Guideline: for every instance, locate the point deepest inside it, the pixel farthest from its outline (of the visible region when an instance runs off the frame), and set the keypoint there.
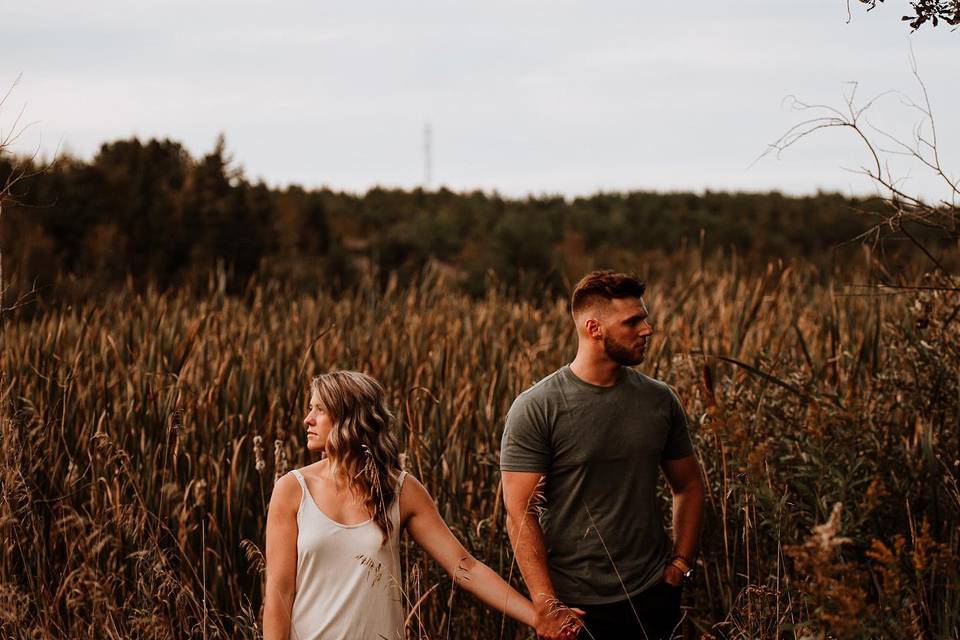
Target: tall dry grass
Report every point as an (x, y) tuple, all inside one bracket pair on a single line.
[(137, 449)]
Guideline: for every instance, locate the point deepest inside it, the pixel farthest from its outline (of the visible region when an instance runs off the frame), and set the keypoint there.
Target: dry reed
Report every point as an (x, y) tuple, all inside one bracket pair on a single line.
[(134, 477)]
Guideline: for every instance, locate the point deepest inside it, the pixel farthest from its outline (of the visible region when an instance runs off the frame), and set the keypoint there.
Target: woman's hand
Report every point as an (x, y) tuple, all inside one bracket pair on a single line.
[(555, 621)]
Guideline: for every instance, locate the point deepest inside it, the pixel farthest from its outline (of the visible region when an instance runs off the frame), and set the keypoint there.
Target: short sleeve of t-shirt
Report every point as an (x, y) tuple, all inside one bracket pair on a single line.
[(678, 443), (525, 445)]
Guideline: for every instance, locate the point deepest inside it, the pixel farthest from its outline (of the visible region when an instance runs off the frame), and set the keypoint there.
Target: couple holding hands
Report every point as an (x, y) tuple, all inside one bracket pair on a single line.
[(579, 460)]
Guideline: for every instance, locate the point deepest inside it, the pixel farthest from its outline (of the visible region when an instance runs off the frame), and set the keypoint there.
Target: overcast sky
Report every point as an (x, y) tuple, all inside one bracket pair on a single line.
[(522, 97)]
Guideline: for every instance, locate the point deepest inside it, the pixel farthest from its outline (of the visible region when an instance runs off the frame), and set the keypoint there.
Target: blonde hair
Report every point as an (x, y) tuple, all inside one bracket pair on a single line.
[(360, 446)]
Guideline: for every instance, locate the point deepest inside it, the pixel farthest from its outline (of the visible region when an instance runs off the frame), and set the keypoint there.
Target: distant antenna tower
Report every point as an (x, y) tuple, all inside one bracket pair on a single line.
[(427, 156)]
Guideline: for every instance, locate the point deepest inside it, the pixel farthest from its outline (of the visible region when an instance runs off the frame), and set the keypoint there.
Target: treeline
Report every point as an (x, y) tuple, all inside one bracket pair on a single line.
[(150, 212)]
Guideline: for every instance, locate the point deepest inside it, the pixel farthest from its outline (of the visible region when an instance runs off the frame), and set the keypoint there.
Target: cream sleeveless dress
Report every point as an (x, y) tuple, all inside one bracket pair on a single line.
[(348, 585)]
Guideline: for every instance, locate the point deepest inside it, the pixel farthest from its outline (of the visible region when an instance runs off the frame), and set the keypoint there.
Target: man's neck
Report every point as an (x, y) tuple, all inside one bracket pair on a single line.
[(601, 372)]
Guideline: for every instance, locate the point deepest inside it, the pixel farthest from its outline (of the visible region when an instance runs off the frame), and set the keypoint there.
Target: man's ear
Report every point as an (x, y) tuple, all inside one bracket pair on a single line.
[(592, 325)]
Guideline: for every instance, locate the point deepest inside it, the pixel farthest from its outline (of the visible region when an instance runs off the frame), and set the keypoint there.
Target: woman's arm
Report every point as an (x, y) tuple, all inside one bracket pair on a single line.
[(429, 531), (281, 558)]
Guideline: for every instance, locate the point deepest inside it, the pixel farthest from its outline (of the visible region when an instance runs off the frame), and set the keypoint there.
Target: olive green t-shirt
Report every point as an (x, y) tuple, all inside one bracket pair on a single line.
[(600, 448)]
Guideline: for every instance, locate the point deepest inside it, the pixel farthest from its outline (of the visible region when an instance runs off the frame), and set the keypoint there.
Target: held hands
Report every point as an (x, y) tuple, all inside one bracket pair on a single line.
[(555, 621), (672, 576)]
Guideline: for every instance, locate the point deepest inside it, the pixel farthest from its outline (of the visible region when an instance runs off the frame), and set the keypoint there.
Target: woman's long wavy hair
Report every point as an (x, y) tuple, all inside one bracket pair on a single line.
[(361, 447)]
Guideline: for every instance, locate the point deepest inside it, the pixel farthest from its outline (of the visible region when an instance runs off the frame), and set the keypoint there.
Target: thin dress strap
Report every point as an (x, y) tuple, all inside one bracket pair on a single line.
[(303, 486), (395, 509), (299, 477)]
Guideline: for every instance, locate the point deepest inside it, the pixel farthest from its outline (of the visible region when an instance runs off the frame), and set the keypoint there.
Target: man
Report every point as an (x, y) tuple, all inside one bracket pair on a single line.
[(588, 439)]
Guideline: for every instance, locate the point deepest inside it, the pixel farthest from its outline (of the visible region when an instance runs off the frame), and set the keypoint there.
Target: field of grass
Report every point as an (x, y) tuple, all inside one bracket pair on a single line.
[(133, 504)]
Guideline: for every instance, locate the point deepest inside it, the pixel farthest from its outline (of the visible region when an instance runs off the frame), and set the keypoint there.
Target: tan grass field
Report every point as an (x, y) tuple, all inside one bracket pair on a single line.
[(133, 507)]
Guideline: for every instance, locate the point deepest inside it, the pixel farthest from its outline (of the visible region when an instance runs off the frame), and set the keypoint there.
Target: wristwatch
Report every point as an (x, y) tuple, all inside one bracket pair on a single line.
[(681, 563)]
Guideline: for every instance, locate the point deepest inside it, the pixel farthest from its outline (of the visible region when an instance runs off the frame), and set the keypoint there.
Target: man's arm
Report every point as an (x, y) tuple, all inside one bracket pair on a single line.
[(686, 483), (553, 622)]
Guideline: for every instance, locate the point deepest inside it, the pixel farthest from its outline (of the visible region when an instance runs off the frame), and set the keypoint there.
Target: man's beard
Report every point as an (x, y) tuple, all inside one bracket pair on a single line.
[(621, 354)]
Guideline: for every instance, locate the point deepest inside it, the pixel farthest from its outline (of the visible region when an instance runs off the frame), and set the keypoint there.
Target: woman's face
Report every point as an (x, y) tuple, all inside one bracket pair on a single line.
[(318, 425)]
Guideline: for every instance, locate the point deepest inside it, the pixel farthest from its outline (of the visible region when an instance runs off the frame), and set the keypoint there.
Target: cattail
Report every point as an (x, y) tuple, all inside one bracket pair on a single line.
[(259, 464), (279, 460), (176, 425), (200, 493)]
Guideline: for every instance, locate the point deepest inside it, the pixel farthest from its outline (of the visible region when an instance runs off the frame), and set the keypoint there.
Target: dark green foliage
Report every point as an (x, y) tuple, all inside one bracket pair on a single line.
[(150, 212), (924, 11)]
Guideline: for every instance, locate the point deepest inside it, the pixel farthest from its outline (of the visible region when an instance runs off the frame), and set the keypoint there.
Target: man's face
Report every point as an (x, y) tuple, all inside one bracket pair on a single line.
[(625, 330)]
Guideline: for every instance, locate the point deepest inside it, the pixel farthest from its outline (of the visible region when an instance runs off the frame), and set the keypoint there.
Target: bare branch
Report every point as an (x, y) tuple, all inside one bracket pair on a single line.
[(18, 171), (939, 216)]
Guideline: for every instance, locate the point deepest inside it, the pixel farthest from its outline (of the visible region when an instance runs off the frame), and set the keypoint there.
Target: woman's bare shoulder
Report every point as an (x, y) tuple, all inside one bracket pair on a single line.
[(413, 496), (411, 483), (286, 493)]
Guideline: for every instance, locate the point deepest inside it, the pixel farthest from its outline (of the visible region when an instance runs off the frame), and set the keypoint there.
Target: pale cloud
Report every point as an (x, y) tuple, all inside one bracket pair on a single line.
[(523, 96)]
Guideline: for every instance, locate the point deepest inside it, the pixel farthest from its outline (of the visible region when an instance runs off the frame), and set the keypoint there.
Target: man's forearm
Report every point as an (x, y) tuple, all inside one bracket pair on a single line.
[(687, 521), (531, 553)]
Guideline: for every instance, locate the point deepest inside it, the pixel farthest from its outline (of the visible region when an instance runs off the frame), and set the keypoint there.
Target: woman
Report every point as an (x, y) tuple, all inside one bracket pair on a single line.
[(333, 527)]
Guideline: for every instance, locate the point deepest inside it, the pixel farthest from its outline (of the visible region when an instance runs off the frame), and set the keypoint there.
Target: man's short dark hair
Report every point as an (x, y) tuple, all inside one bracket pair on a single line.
[(605, 285)]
